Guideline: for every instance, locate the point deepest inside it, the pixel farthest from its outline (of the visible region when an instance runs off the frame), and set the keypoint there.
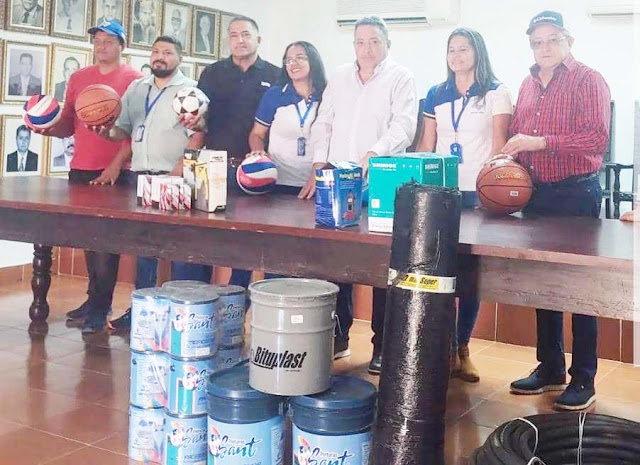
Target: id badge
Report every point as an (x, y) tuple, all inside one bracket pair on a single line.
[(302, 146), (139, 133), (456, 150)]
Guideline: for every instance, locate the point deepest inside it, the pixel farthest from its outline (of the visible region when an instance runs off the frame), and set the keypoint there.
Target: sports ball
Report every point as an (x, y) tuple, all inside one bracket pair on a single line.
[(98, 104), (504, 186), (190, 101), (257, 174), (41, 112)]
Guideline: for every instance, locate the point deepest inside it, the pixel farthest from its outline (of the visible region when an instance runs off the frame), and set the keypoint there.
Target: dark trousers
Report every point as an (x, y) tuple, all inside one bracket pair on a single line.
[(577, 196), (102, 267)]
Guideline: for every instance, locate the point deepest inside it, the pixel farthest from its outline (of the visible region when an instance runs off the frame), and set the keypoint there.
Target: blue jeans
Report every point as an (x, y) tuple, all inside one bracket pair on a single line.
[(577, 196), (146, 272), (192, 271)]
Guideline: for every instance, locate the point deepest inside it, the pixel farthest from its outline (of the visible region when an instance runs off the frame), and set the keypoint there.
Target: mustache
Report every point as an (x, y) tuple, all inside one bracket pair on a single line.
[(159, 62)]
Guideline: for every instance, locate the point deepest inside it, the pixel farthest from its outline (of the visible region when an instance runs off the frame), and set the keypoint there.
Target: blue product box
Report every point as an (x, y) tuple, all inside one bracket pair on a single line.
[(339, 195)]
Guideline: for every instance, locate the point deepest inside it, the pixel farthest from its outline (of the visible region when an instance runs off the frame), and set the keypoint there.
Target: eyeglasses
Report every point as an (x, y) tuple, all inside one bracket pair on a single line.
[(297, 60), (552, 42)]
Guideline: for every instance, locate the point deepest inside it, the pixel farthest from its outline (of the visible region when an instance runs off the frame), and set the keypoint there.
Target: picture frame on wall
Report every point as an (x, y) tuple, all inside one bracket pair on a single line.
[(177, 21), (71, 19), (145, 22), (141, 63), (3, 9), (30, 16), (25, 71), (199, 69), (223, 39), (110, 10), (23, 150), (204, 42), (66, 60), (188, 68), (59, 155)]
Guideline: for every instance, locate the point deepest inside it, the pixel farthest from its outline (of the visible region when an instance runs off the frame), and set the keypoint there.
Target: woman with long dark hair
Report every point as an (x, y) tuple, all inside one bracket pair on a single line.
[(468, 116), (286, 114)]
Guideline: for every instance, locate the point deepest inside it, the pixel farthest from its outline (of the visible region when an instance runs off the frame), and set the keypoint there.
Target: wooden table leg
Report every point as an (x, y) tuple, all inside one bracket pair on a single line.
[(40, 282)]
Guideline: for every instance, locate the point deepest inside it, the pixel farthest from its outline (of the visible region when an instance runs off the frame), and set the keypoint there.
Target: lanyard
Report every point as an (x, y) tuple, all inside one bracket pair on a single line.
[(456, 121), (304, 118), (148, 107)]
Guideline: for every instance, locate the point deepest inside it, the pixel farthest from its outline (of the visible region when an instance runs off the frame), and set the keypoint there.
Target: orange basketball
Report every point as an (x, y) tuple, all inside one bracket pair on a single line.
[(504, 186), (98, 104)]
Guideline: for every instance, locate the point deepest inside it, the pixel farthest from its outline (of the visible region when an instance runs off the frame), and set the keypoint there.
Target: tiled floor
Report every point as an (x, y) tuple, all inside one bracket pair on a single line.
[(64, 398)]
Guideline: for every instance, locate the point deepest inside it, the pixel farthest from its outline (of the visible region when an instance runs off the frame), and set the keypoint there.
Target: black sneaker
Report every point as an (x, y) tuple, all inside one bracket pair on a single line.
[(376, 362), (94, 324), (79, 313), (340, 348), (538, 382), (578, 396), (123, 323)]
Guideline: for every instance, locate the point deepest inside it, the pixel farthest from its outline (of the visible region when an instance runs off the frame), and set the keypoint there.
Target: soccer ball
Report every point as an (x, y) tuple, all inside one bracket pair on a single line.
[(190, 101)]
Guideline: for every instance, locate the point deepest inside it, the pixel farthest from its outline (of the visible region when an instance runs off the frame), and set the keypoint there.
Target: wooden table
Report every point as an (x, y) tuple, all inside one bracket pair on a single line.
[(572, 264)]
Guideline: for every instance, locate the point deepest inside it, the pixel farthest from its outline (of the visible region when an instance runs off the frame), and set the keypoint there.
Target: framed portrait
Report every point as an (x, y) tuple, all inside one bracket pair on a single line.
[(204, 42), (60, 154), (176, 22), (188, 69), (109, 10), (30, 16), (22, 150), (141, 63), (66, 60), (3, 9), (71, 19), (199, 69), (25, 71), (223, 37), (145, 24)]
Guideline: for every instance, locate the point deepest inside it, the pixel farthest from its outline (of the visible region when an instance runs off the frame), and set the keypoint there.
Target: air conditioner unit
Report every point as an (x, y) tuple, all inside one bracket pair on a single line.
[(429, 12), (606, 8)]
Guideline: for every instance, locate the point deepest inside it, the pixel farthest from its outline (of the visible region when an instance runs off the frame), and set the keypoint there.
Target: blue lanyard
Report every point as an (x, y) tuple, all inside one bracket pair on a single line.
[(304, 118), (148, 107), (456, 121)]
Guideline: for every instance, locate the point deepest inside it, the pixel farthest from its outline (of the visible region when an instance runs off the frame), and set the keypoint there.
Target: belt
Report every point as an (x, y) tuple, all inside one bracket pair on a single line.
[(573, 180), (151, 172)]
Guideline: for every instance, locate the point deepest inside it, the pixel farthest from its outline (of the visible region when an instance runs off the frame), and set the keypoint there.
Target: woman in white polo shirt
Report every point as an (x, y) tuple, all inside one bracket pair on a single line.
[(286, 114), (468, 115)]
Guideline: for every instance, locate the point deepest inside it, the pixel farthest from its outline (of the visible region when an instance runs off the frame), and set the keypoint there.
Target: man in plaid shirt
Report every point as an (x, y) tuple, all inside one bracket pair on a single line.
[(560, 131)]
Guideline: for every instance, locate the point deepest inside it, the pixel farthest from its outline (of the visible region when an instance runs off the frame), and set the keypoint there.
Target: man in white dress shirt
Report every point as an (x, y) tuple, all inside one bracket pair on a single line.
[(368, 109)]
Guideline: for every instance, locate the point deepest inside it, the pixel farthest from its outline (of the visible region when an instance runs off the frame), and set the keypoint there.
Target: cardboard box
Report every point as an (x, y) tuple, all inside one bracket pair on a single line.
[(205, 171), (387, 174), (144, 190), (339, 195)]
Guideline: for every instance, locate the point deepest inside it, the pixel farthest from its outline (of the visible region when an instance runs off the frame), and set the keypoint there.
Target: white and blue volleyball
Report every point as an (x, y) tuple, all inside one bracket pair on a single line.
[(257, 174), (41, 112)]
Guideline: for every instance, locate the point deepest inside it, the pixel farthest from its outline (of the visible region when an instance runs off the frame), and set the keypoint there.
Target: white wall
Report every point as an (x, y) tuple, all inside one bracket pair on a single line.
[(606, 45)]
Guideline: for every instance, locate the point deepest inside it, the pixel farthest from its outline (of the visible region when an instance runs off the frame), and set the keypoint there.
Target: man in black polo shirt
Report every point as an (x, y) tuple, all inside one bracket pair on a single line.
[(234, 87)]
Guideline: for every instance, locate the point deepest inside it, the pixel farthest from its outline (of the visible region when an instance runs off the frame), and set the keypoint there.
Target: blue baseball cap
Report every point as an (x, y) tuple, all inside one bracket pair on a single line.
[(113, 28), (546, 17)]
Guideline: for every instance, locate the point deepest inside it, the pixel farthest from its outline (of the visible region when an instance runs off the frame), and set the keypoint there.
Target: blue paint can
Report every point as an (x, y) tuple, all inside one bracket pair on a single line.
[(193, 323), (187, 385), (184, 284), (185, 439), (148, 379), (149, 320), (232, 312), (146, 433), (228, 356), (245, 426), (334, 426)]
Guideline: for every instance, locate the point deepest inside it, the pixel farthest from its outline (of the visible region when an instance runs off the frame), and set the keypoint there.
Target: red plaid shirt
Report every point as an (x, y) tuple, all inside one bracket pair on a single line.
[(572, 114)]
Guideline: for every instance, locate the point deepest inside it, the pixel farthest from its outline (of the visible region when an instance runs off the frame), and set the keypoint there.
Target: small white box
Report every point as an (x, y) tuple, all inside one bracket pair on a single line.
[(205, 171)]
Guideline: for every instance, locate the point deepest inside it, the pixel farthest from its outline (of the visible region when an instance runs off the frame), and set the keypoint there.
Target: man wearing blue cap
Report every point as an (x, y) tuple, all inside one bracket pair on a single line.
[(560, 130), (92, 155)]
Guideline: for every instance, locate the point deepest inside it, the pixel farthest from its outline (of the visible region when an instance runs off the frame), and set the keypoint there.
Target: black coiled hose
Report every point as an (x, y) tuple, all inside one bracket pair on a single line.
[(559, 439)]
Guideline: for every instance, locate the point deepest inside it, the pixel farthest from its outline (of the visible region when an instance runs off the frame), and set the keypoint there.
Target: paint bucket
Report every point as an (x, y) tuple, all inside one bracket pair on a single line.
[(146, 433), (182, 285), (187, 385), (148, 387), (334, 426), (228, 356), (185, 439), (149, 319), (193, 323), (232, 312), (292, 327), (245, 426)]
